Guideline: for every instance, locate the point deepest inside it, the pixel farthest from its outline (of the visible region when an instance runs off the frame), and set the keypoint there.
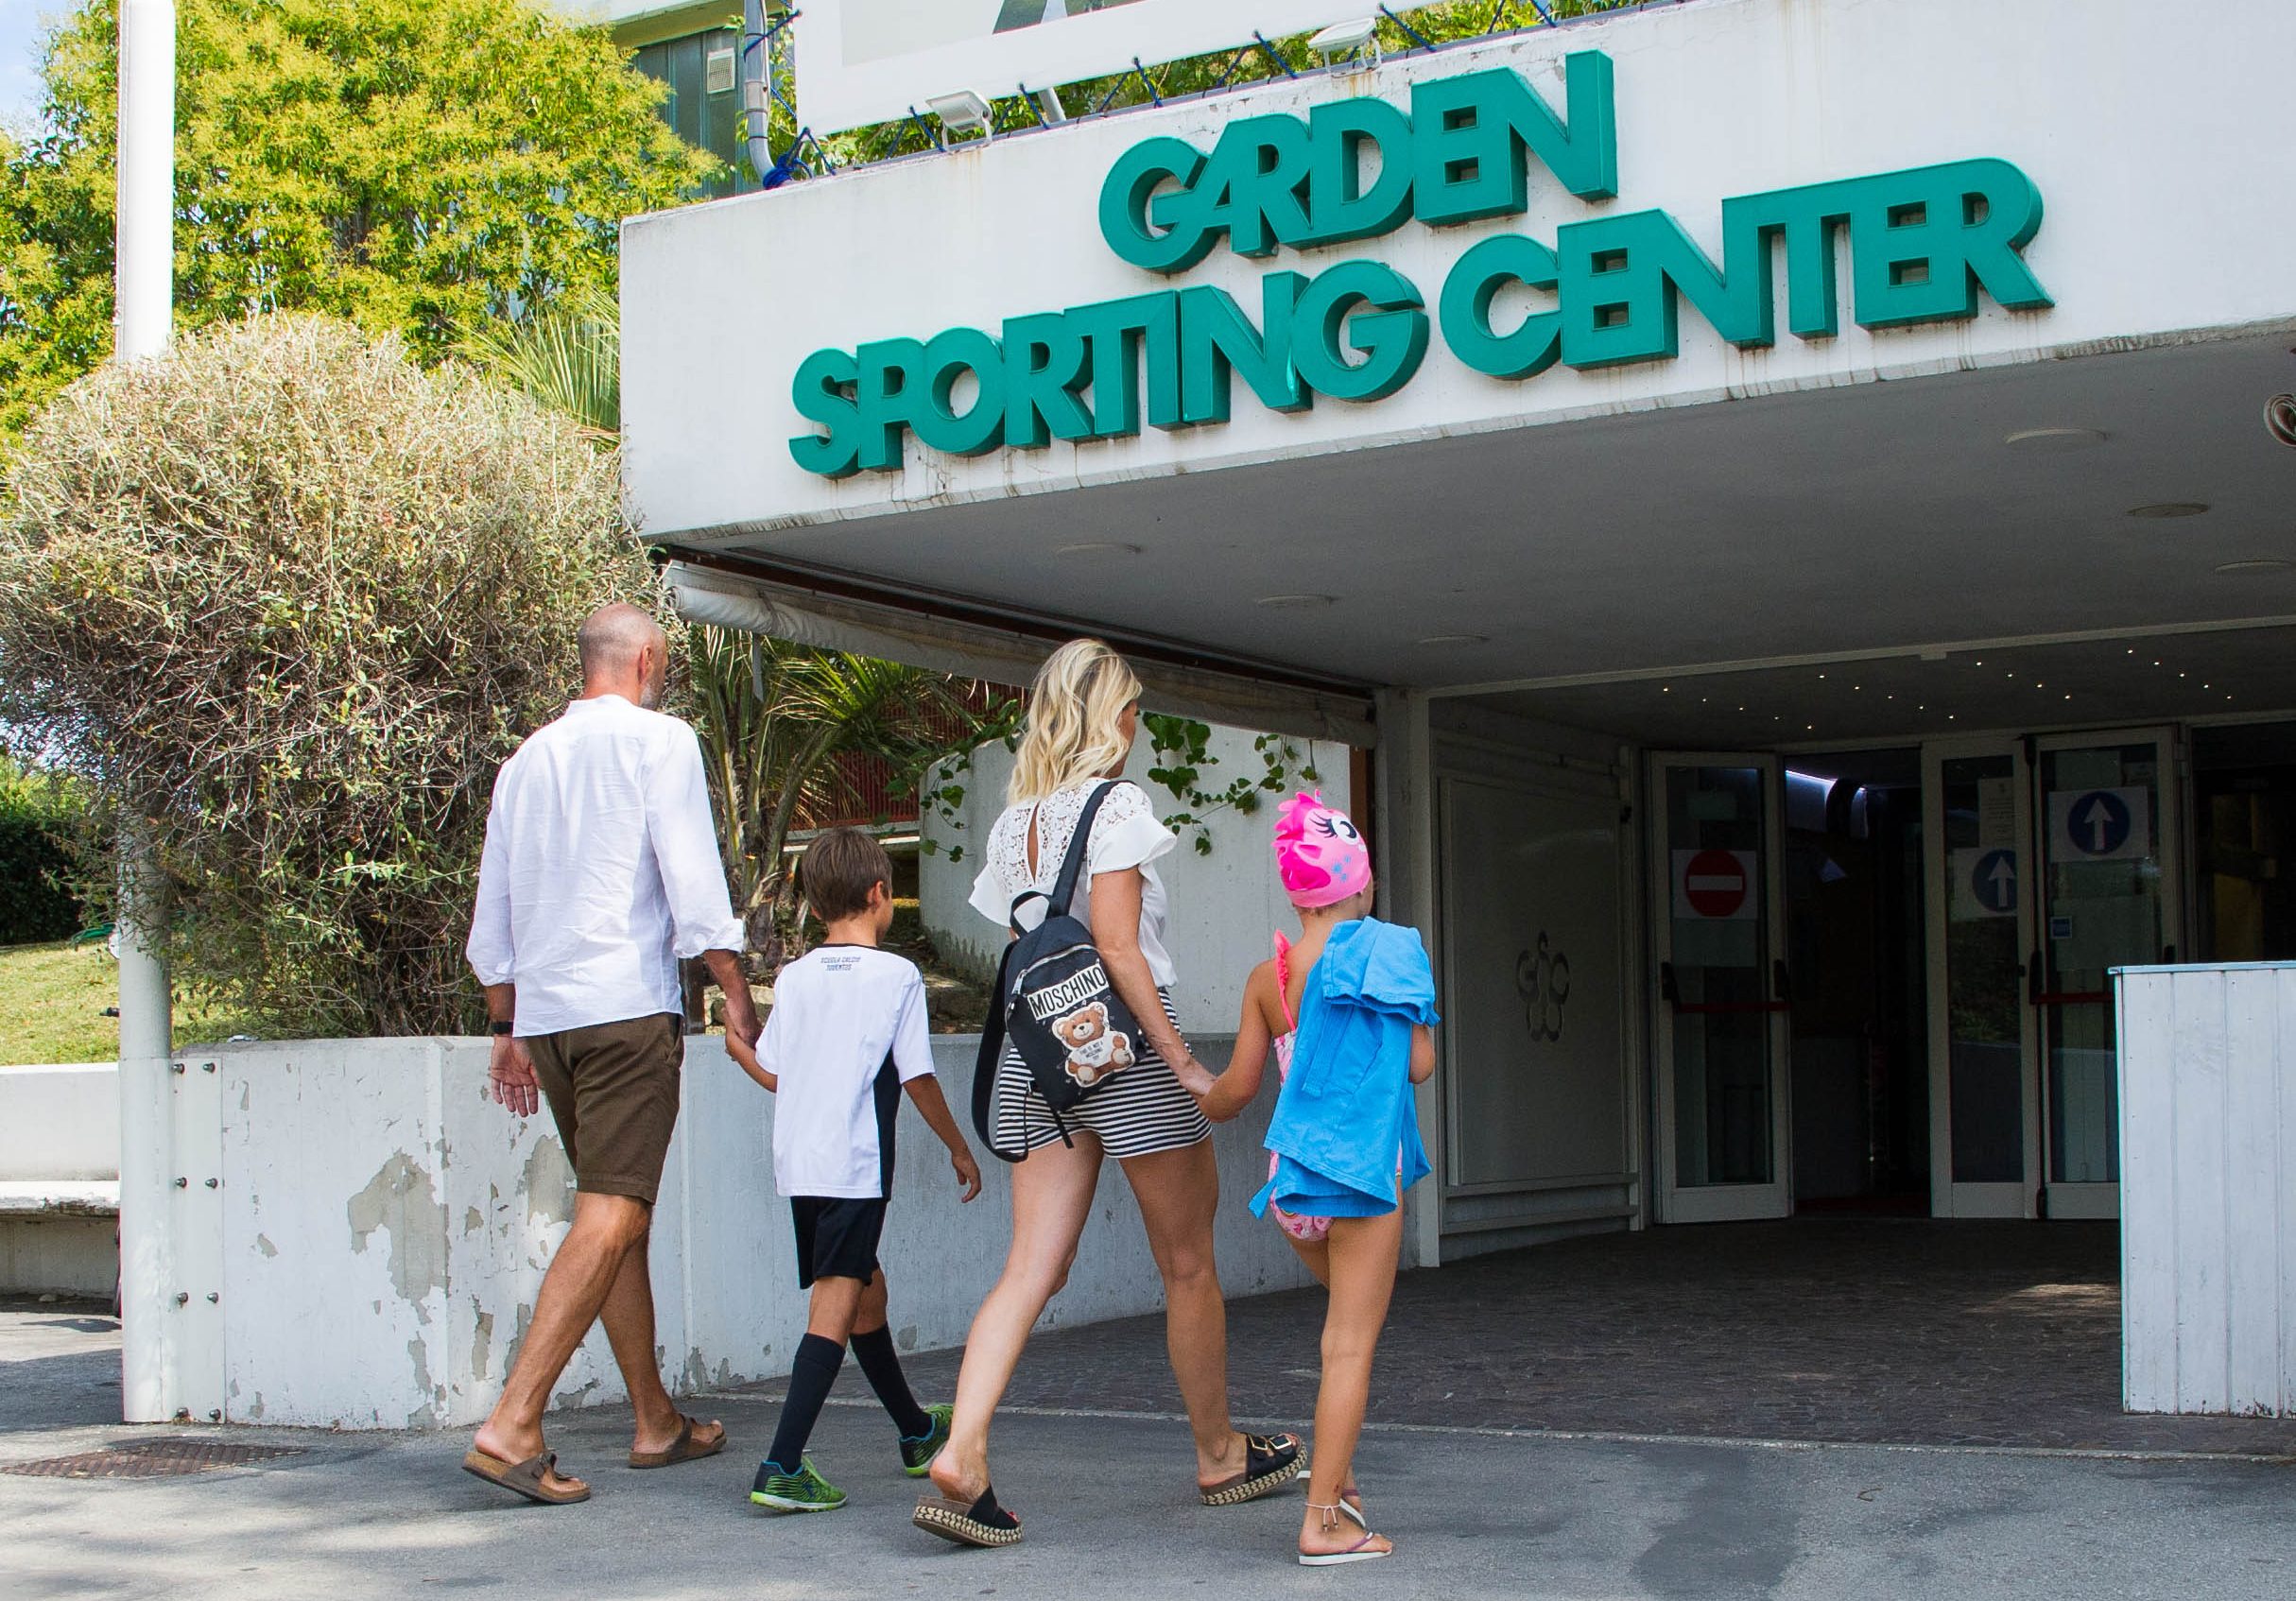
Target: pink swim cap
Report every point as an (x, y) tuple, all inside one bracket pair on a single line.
[(1319, 852)]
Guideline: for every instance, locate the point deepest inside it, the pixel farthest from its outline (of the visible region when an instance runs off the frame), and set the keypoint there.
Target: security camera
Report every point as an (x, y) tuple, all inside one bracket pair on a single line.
[(2280, 419)]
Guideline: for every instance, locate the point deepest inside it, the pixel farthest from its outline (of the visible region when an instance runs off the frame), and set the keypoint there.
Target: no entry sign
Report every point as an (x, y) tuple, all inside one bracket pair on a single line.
[(1715, 885)]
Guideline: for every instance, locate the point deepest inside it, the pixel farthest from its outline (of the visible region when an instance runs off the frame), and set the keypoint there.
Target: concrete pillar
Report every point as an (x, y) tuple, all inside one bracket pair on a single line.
[(144, 251), (1403, 779)]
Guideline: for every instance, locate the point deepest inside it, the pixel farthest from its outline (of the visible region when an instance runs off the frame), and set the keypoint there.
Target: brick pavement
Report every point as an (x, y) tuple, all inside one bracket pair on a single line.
[(1870, 1332)]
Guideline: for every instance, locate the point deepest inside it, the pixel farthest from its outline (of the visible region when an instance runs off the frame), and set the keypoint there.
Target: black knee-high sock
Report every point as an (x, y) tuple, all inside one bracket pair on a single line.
[(883, 1368), (810, 1376)]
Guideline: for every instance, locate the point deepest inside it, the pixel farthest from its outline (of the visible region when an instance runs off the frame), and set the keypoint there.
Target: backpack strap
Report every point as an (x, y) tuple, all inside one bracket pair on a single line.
[(991, 1054), (1072, 867)]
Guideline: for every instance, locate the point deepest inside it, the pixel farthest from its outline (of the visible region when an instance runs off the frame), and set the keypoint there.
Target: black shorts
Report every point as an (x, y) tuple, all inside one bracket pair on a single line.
[(837, 1238)]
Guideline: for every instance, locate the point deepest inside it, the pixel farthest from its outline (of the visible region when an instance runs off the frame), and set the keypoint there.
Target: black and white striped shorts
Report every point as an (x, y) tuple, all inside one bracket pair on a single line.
[(1140, 1112)]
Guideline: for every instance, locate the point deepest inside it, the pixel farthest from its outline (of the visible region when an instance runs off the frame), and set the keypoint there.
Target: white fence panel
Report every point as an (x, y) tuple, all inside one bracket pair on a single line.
[(2208, 1188)]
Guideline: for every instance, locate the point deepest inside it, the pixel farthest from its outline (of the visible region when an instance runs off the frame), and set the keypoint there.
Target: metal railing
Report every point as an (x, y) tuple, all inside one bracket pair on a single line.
[(769, 80)]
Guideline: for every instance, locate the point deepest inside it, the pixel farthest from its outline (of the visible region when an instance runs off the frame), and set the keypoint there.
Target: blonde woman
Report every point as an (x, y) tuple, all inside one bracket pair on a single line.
[(1083, 714)]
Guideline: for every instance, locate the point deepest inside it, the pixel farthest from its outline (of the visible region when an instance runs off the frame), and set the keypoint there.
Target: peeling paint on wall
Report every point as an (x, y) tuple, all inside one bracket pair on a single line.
[(549, 1183), (262, 1244), (399, 1199), (473, 1220), (482, 1345)]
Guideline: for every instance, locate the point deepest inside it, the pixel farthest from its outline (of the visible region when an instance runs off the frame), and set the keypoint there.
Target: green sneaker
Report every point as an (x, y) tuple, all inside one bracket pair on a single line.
[(804, 1491), (917, 1454)]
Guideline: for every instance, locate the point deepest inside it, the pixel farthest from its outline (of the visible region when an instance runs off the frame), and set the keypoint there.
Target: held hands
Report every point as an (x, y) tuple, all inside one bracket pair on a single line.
[(745, 1056), (1196, 1078), (510, 1075)]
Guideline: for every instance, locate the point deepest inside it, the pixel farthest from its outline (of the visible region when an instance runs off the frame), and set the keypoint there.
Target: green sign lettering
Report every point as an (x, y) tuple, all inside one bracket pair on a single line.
[(1923, 244)]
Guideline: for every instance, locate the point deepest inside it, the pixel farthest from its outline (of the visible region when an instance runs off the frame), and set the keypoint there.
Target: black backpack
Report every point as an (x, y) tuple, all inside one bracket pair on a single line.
[(1055, 1002)]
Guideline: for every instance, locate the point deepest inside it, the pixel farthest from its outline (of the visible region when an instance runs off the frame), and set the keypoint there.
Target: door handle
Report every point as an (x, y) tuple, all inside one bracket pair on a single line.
[(2033, 988), (1780, 986), (1666, 984)]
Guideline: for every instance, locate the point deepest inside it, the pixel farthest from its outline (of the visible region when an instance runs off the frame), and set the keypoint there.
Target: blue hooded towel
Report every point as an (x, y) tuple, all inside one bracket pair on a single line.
[(1347, 1110)]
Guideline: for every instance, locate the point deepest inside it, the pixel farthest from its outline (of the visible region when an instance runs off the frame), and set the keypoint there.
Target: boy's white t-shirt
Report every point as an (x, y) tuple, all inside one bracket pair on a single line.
[(846, 1031)]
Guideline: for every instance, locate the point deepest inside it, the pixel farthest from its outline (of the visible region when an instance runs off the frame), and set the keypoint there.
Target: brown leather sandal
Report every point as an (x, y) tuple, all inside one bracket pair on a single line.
[(530, 1478), (685, 1448)]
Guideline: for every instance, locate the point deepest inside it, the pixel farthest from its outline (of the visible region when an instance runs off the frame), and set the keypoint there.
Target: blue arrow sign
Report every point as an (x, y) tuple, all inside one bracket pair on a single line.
[(2099, 823), (1993, 881)]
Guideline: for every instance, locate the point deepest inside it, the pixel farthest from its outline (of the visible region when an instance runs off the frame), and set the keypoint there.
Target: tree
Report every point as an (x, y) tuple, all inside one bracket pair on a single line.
[(773, 718), (290, 599), (1401, 28), (422, 168)]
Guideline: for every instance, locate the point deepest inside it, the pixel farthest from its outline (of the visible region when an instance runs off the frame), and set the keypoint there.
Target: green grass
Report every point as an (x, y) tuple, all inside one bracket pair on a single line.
[(52, 1002)]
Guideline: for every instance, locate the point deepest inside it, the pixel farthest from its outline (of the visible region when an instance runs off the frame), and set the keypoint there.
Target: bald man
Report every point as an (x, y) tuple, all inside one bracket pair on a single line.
[(600, 872)]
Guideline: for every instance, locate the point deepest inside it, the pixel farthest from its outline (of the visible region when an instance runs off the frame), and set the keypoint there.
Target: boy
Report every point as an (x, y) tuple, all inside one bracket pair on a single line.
[(846, 1036)]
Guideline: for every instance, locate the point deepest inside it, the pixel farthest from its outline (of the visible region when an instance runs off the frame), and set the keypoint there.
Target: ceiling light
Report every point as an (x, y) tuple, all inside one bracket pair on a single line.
[(2169, 508), (1437, 638), (1098, 547), (1293, 602), (2255, 567), (2052, 440)]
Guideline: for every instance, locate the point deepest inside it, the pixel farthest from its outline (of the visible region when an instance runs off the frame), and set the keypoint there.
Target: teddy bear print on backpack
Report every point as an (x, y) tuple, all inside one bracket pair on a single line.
[(1094, 1049)]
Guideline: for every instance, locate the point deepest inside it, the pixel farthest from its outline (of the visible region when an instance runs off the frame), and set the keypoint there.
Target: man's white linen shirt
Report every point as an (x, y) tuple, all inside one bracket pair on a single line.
[(600, 869)]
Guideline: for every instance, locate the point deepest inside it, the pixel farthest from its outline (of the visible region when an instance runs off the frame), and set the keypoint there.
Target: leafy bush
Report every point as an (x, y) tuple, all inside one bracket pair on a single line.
[(38, 817), (292, 600)]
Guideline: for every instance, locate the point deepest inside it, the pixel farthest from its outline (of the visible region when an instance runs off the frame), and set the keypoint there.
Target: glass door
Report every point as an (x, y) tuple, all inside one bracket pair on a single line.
[(1723, 989), (2106, 808), (1984, 1087)]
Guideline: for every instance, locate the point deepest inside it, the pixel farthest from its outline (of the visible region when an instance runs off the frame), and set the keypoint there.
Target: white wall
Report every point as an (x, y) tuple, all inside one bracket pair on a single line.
[(2208, 1188), (2150, 137), (60, 1121), (1226, 906), (60, 1157), (385, 1227)]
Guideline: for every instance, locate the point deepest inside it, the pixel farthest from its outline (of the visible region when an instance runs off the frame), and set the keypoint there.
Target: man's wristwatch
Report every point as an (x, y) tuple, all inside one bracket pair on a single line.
[(498, 1028)]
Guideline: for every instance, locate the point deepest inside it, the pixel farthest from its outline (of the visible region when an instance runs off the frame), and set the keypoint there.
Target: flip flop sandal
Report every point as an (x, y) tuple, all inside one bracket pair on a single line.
[(983, 1523), (1359, 1551), (683, 1449), (529, 1478), (1270, 1461), (1353, 1510)]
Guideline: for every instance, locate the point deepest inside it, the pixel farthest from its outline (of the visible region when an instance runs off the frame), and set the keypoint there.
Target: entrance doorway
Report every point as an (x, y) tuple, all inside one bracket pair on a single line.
[(1856, 960), (1884, 975), (2059, 863)]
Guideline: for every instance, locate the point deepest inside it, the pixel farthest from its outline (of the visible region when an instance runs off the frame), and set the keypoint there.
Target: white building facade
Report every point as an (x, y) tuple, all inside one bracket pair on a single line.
[(1778, 494)]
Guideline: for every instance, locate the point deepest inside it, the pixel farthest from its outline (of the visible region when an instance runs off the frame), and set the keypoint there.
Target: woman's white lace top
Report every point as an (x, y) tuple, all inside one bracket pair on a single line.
[(1125, 834)]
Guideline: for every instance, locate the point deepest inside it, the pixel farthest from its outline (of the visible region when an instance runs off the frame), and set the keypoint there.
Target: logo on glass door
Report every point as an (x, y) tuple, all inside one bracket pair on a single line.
[(1543, 977)]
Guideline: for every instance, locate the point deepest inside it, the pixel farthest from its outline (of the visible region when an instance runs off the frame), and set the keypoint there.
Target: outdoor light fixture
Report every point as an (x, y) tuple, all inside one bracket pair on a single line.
[(964, 112), (1098, 547), (1451, 639), (1293, 602), (1348, 46)]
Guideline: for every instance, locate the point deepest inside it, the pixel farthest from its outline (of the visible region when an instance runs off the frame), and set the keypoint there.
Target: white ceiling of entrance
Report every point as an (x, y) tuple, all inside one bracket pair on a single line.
[(2131, 681), (1806, 526)]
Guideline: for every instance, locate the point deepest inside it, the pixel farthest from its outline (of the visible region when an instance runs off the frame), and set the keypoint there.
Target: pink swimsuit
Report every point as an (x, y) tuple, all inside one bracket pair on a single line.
[(1307, 1229)]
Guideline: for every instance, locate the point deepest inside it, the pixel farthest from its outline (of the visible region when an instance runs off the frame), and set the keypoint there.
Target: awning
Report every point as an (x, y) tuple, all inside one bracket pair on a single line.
[(1004, 655)]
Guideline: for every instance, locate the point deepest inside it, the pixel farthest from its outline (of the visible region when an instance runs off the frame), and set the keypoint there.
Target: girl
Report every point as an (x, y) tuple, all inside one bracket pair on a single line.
[(1349, 1012)]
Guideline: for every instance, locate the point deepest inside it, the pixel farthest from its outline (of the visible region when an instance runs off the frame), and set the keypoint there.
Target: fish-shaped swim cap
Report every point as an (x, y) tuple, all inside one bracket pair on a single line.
[(1319, 852)]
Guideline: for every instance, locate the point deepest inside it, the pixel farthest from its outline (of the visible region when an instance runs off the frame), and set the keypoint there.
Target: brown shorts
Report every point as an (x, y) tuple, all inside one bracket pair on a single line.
[(613, 1089)]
